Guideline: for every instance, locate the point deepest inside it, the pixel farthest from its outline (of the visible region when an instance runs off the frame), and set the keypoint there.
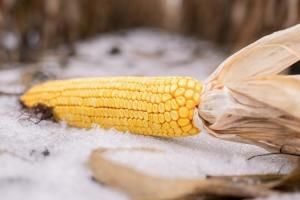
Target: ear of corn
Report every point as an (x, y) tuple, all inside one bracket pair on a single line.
[(158, 106)]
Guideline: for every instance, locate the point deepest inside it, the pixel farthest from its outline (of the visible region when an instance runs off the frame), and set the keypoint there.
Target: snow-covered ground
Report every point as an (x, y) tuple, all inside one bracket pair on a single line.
[(48, 160)]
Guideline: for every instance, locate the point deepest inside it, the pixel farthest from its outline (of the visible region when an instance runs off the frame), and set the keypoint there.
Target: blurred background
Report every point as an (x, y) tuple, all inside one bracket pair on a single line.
[(29, 29)]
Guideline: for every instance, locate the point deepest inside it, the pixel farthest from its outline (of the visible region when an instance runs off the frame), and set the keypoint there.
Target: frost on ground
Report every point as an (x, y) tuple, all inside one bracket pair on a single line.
[(47, 160)]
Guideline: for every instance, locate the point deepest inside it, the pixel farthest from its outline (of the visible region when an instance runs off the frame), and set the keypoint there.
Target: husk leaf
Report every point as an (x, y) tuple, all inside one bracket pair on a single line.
[(267, 56), (145, 187), (244, 100)]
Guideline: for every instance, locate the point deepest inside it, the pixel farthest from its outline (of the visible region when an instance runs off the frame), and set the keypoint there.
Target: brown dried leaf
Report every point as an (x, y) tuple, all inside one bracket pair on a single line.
[(143, 187)]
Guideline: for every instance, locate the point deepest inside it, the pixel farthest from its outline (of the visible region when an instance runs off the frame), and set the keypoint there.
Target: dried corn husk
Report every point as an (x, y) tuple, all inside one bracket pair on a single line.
[(142, 186), (246, 100)]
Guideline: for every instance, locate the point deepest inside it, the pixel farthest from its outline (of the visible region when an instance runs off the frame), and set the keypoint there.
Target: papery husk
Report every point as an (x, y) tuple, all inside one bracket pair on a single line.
[(141, 186), (245, 99)]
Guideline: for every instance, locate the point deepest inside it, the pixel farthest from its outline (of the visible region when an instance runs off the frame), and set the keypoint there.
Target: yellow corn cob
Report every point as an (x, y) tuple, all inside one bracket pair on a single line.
[(158, 106)]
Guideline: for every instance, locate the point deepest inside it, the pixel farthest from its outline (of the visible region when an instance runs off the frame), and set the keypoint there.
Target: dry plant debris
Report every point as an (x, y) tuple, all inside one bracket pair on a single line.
[(143, 187), (246, 100)]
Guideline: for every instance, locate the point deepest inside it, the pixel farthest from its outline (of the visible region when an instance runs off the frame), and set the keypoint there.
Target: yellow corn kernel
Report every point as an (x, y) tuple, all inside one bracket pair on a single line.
[(187, 128), (196, 98), (149, 107), (167, 116), (180, 100), (178, 131), (189, 94), (190, 104), (166, 97), (153, 98), (155, 108), (159, 106), (174, 104), (171, 132), (191, 84), (174, 124), (161, 89), (168, 106), (183, 112), (194, 131), (179, 92), (157, 99), (173, 88), (191, 114), (182, 82), (161, 118), (155, 118), (174, 115), (198, 87), (183, 122), (166, 126)]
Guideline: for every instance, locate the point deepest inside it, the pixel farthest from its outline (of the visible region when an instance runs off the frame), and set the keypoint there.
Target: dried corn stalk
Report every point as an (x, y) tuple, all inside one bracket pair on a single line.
[(243, 100)]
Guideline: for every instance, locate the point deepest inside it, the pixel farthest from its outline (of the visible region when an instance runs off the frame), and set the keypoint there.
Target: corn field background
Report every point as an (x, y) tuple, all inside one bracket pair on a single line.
[(29, 26), (58, 39)]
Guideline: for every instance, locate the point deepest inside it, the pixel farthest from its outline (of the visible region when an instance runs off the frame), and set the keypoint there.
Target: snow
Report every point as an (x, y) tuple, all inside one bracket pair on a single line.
[(292, 196), (48, 160)]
